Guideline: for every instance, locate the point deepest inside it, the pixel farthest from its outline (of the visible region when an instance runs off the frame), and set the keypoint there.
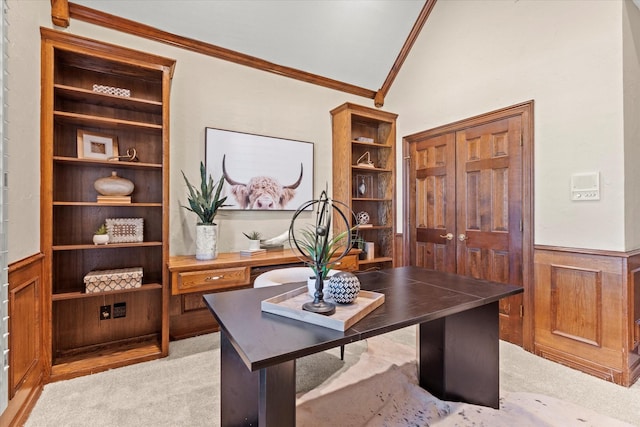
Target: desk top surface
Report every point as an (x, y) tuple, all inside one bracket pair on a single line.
[(178, 263), (412, 295)]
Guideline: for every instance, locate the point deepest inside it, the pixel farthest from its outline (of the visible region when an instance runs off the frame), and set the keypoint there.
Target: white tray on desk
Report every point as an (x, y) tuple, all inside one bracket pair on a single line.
[(289, 304)]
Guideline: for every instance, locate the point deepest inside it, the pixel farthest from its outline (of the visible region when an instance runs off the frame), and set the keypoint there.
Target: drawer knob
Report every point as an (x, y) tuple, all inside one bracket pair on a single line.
[(213, 278)]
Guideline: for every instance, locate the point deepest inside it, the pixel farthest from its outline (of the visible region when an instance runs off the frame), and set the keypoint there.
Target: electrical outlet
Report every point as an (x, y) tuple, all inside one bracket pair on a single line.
[(105, 312), (119, 310)]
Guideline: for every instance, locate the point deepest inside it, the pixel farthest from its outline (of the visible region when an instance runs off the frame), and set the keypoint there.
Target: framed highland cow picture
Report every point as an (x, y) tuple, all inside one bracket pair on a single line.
[(260, 172)]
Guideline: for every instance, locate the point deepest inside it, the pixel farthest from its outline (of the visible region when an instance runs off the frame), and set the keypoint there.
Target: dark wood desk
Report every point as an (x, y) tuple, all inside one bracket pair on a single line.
[(457, 353)]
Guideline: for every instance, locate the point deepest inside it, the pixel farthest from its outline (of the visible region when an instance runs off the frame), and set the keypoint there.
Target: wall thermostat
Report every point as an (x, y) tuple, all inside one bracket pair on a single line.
[(585, 186)]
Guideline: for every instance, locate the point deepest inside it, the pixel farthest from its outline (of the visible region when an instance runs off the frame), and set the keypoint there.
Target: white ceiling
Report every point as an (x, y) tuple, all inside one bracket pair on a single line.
[(352, 41)]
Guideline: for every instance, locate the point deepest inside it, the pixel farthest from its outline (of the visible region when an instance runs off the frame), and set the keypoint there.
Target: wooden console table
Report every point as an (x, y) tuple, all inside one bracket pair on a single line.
[(191, 279)]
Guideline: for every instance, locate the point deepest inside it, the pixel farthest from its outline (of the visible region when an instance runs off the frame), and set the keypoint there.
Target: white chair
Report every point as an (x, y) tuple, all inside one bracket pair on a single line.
[(280, 276)]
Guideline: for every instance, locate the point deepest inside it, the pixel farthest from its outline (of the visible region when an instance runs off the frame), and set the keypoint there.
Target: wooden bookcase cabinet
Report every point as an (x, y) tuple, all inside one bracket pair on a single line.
[(76, 340), (362, 133)]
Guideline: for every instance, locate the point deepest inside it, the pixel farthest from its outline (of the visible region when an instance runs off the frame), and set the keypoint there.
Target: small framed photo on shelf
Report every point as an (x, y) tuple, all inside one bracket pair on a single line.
[(363, 186), (97, 146), (125, 230)]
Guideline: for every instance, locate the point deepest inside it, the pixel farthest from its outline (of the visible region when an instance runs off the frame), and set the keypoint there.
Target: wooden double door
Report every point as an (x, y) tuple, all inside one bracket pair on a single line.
[(466, 204)]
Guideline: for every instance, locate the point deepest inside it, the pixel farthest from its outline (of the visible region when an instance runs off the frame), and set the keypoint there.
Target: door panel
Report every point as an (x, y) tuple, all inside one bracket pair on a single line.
[(489, 188), (433, 185), (468, 182)]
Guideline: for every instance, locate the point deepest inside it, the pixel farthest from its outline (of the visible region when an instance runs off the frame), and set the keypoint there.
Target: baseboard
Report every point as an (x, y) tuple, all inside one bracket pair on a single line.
[(580, 364), (22, 404)]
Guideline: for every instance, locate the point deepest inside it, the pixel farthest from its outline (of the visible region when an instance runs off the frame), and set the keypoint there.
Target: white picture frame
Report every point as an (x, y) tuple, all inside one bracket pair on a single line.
[(97, 146), (247, 157)]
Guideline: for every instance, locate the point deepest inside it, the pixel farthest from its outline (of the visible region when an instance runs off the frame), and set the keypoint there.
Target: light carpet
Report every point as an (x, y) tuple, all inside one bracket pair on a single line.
[(376, 385)]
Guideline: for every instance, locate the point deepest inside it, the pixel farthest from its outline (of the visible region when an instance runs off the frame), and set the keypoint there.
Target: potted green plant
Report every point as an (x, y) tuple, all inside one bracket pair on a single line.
[(205, 202), (254, 240), (314, 245), (100, 236), (320, 248)]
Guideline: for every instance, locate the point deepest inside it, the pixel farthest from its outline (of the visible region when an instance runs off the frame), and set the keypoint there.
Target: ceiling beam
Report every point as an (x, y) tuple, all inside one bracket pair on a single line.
[(404, 52), (113, 22)]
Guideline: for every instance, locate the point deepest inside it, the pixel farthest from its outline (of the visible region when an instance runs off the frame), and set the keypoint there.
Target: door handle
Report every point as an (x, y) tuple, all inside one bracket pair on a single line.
[(448, 236), (462, 237)]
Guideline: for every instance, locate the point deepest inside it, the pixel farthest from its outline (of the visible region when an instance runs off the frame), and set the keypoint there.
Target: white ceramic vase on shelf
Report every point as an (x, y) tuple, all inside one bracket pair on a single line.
[(100, 239), (206, 241), (254, 245), (114, 185)]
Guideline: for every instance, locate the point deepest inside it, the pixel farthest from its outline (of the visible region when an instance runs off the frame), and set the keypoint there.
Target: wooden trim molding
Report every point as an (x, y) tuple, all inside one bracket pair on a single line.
[(113, 22), (60, 13), (25, 339), (600, 252), (404, 52), (399, 261), (86, 45)]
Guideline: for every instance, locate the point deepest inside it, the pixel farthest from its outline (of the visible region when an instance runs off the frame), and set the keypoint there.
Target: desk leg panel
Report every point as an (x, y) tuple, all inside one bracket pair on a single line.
[(459, 356), (266, 397), (239, 388), (277, 400)]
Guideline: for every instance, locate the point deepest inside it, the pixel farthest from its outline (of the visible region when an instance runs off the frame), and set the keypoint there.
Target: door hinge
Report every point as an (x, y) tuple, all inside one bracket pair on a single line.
[(521, 310), (521, 140), (521, 227)]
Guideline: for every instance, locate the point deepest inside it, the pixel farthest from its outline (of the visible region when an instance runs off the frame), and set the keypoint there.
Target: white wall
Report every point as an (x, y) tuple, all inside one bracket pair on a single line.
[(475, 57), (471, 57), (23, 124), (631, 73), (206, 92)]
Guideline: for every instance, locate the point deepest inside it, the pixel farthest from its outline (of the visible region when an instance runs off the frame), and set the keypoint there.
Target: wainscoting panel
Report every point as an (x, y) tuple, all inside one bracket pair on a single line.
[(25, 329), (25, 339), (584, 302), (576, 309)]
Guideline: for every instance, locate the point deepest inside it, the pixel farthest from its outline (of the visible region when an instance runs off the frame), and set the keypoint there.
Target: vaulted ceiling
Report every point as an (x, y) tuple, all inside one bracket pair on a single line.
[(356, 46)]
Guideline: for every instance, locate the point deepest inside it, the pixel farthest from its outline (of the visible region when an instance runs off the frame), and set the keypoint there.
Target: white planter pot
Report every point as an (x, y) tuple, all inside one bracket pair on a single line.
[(100, 239), (206, 241), (254, 245), (311, 285)]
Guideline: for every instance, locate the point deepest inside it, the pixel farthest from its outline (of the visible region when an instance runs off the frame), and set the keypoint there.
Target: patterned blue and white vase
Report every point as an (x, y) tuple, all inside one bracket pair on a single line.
[(344, 287)]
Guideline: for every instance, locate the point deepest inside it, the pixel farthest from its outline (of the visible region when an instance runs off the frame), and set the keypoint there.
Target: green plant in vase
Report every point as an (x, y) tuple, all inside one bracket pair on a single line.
[(316, 248), (101, 236), (205, 202), (321, 248), (254, 240), (253, 235)]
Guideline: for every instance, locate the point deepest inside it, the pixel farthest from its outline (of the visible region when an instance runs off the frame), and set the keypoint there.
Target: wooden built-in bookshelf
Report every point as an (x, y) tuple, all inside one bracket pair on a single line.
[(77, 340)]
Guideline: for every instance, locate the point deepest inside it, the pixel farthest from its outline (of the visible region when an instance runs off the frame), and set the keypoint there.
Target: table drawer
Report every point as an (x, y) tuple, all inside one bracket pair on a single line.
[(218, 279), (348, 263)]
